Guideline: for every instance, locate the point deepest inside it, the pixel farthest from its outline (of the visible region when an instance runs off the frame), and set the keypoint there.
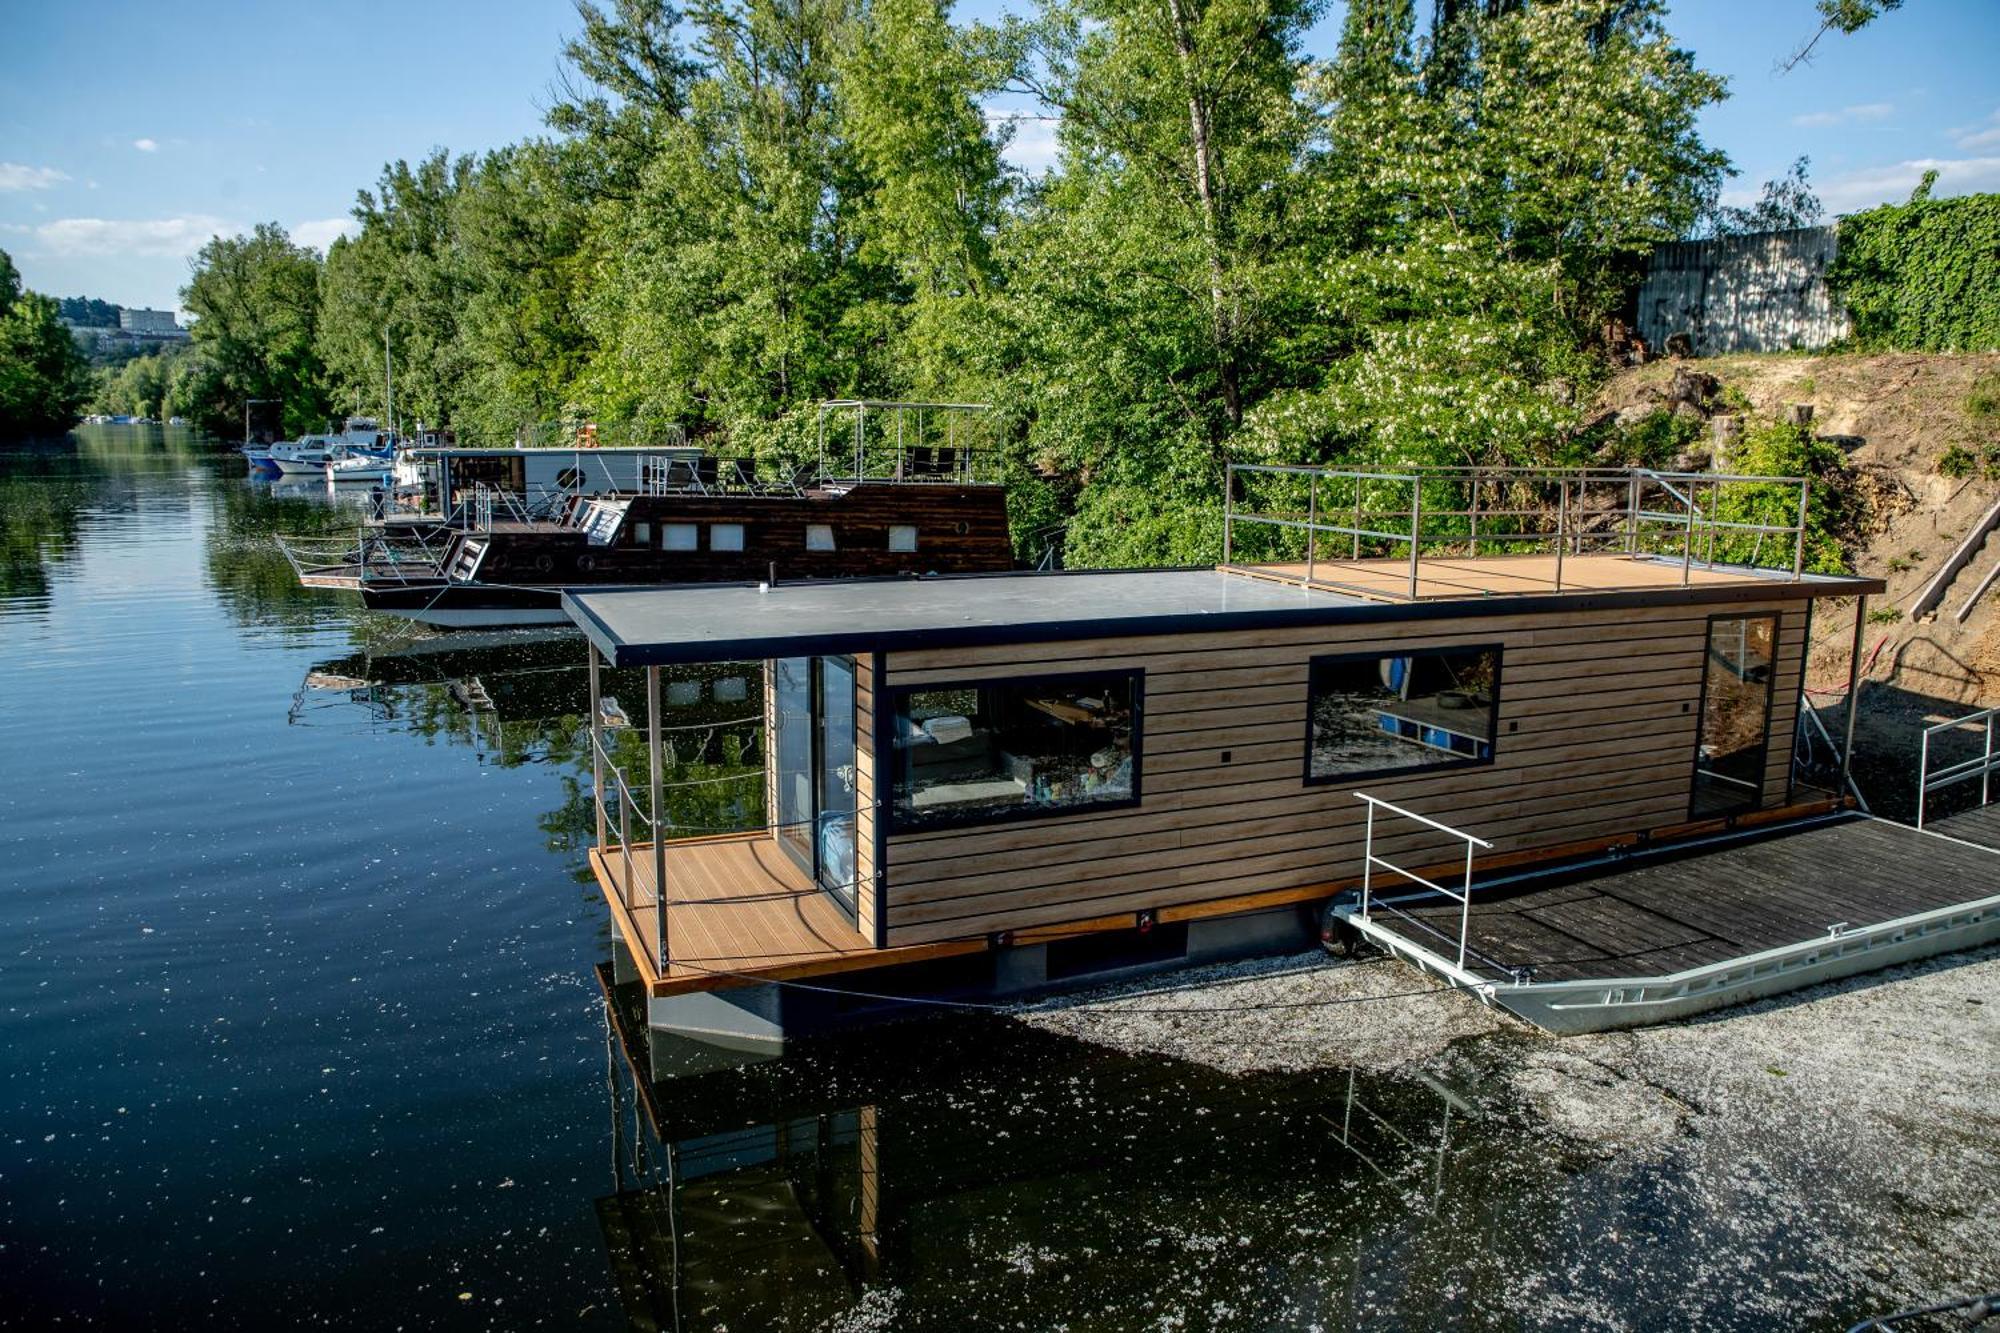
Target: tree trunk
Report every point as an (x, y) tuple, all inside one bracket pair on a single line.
[(1207, 189)]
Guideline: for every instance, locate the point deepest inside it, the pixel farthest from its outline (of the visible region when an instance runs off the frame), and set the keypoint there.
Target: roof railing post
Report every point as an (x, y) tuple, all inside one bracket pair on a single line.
[(596, 744), (1416, 529), (1562, 530), (1986, 765), (1312, 521), (1357, 516), (1228, 509), (1687, 536), (1632, 514), (659, 815), (1472, 512), (1799, 542)]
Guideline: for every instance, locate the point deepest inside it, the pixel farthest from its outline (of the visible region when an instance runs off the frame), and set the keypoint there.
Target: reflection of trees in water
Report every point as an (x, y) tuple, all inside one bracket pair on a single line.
[(539, 689), (42, 491), (251, 576)]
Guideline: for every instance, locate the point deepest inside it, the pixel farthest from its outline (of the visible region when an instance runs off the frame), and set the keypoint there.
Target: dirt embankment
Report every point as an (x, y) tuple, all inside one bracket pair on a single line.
[(1897, 417)]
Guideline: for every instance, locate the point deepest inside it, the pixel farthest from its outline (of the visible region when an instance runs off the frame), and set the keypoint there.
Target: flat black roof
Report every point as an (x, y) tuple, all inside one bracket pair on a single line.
[(655, 626)]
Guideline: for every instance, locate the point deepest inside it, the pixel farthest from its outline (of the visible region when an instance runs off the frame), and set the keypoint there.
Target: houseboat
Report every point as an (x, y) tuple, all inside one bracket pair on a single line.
[(501, 533), (1534, 732)]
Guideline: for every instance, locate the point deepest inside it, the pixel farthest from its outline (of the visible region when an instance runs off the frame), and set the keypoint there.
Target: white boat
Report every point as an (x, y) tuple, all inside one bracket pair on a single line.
[(311, 453), (355, 467)]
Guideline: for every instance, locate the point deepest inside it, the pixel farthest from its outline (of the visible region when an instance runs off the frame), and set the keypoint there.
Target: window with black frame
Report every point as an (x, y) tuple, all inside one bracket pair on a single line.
[(993, 750), (1375, 713)]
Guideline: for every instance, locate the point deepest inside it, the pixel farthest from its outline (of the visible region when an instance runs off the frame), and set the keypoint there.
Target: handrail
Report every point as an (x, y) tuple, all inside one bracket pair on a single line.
[(1578, 517), (1369, 861), (1981, 766)]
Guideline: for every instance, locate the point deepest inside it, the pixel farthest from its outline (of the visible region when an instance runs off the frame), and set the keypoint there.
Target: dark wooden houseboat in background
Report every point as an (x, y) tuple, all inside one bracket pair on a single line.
[(1534, 732), (500, 534)]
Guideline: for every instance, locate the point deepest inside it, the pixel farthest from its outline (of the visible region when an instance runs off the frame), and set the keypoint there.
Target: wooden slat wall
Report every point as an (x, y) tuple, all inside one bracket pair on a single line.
[(1597, 723), (867, 895)]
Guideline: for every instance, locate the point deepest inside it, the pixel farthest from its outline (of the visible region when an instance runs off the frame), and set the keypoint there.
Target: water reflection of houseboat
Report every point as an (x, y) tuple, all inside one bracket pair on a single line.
[(997, 784)]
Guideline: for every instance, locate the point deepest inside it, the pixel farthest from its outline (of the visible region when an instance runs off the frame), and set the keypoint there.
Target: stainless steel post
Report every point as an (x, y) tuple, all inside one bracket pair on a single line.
[(1416, 529), (1562, 541), (1472, 517), (1854, 693), (659, 812), (1632, 514), (1312, 521), (1367, 859), (596, 745), (1228, 509), (1799, 545)]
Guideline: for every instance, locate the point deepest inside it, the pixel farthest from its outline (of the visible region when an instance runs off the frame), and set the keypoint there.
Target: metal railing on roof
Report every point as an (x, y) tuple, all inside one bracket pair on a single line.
[(1332, 520), (866, 439)]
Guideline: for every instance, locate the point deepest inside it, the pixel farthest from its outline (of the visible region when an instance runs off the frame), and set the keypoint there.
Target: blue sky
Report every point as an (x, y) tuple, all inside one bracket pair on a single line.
[(131, 131)]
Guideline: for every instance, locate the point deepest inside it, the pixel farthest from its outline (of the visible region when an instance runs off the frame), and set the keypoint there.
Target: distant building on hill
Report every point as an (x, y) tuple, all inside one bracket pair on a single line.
[(142, 321)]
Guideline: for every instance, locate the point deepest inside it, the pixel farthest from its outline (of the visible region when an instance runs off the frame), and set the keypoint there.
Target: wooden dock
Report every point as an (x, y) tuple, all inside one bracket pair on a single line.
[(738, 909), (1679, 931)]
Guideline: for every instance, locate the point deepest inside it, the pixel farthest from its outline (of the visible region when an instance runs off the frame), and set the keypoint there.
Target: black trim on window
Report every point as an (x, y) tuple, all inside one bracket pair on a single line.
[(880, 737), (1313, 675), (890, 769)]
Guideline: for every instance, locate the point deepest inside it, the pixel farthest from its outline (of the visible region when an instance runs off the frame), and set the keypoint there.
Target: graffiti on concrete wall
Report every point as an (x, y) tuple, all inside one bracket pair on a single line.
[(1764, 292)]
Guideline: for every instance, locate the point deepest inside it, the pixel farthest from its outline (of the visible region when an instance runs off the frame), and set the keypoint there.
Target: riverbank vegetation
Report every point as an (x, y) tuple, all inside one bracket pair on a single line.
[(44, 379), (1405, 254)]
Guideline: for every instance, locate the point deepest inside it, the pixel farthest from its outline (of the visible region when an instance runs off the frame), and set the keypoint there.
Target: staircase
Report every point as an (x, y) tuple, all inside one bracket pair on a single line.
[(465, 562), (1978, 551)]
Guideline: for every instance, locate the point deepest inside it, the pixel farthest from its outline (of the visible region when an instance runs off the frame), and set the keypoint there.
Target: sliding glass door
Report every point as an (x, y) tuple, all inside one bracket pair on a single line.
[(813, 752), (1735, 733)]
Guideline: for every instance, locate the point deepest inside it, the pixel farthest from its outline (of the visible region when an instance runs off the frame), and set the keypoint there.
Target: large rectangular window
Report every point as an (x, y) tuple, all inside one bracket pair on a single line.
[(1007, 749), (1375, 713)]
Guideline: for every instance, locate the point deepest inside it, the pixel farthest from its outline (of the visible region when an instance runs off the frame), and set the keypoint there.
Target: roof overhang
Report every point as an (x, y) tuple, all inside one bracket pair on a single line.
[(654, 626)]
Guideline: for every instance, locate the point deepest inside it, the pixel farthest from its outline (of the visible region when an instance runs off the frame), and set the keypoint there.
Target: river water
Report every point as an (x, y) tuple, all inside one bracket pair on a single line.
[(302, 1026)]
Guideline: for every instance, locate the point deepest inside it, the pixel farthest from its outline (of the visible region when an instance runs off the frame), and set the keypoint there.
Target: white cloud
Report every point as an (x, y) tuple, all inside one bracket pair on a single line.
[(1892, 183), (1847, 115), (15, 176), (321, 233), (146, 145), (1974, 137), (156, 237)]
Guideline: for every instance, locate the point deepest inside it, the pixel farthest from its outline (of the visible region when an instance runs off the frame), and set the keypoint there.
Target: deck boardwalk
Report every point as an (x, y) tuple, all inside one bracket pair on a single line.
[(1518, 574), (1981, 826), (1700, 908), (737, 907)]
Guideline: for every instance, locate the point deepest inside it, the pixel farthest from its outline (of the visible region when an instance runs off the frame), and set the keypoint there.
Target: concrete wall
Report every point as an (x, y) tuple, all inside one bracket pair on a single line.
[(1764, 292)]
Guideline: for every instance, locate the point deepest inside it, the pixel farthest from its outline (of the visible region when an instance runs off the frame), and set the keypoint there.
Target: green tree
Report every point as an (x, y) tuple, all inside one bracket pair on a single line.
[(401, 279), (255, 300), (44, 379)]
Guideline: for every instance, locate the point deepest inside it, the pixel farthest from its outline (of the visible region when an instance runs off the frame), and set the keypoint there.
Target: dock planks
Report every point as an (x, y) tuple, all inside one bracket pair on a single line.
[(1698, 908)]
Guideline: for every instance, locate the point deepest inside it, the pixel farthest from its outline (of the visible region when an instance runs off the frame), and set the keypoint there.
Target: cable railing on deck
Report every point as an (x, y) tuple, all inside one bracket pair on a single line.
[(1345, 526)]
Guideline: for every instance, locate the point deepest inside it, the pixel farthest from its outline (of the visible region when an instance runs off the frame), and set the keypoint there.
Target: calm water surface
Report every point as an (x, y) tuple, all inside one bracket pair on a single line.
[(301, 1024)]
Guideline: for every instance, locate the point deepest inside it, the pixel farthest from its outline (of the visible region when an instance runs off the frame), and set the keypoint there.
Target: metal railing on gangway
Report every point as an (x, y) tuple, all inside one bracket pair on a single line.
[(1370, 862), (1981, 765), (1408, 514)]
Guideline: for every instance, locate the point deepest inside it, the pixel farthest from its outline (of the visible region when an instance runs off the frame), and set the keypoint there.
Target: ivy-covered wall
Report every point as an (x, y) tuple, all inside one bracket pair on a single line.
[(1922, 276)]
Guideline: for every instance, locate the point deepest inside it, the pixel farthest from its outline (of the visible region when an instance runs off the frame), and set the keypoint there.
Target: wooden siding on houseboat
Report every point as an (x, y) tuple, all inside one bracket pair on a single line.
[(1597, 723)]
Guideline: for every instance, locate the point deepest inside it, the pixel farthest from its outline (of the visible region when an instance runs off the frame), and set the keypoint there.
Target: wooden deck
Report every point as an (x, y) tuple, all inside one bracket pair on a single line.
[(1981, 825), (1445, 577), (738, 910), (1704, 907)]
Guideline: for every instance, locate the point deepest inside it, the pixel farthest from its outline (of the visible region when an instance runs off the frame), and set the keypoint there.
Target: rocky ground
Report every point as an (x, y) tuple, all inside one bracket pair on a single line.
[(1844, 1138)]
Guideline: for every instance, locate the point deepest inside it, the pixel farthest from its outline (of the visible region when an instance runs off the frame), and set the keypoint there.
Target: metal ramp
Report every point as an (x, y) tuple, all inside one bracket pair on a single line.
[(1698, 926)]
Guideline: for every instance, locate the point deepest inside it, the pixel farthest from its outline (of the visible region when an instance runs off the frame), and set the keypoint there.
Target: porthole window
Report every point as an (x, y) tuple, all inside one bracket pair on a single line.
[(725, 536), (569, 478), (819, 537), (902, 537), (680, 537)]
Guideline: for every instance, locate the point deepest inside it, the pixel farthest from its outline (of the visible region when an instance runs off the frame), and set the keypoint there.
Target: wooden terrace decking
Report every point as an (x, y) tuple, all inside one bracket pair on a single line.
[(1690, 910), (1441, 576), (738, 908)]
